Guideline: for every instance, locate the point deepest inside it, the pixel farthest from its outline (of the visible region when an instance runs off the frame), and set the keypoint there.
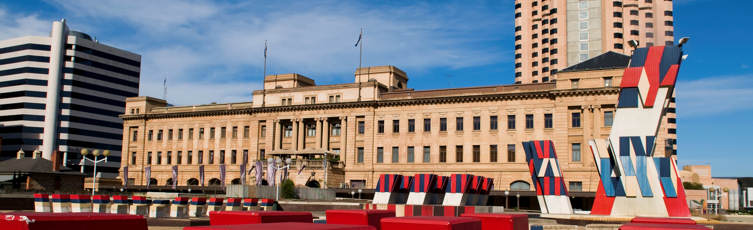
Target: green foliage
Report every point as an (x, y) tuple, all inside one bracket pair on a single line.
[(287, 190), (692, 186)]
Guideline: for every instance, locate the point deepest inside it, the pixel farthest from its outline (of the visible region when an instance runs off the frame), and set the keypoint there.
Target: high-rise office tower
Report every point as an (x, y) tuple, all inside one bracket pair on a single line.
[(551, 35), (64, 92)]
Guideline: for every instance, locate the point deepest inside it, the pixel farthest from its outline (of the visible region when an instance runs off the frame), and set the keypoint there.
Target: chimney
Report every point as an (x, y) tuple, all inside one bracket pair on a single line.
[(55, 161), (20, 154)]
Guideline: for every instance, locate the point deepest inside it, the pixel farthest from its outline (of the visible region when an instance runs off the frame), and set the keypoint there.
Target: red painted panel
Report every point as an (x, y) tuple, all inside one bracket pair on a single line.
[(602, 203)]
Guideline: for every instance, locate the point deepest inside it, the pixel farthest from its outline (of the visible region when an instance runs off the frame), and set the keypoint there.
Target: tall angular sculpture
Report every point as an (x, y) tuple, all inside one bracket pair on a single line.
[(634, 179), (420, 191), (386, 189), (547, 177)]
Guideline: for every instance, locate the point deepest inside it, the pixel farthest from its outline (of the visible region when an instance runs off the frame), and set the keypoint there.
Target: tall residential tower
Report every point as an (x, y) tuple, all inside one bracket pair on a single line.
[(551, 35), (64, 92)]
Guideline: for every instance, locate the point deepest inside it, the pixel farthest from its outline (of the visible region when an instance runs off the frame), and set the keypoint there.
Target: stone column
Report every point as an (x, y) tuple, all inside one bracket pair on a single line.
[(294, 142), (343, 138), (275, 134), (301, 135), (318, 132), (325, 134)]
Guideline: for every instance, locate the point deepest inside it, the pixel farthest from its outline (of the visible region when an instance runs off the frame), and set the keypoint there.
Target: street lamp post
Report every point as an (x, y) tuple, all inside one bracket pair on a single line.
[(517, 197), (507, 193), (287, 166), (95, 154)]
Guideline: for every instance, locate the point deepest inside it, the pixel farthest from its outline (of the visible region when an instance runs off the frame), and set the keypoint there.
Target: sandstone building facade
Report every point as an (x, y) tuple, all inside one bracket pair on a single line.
[(378, 125)]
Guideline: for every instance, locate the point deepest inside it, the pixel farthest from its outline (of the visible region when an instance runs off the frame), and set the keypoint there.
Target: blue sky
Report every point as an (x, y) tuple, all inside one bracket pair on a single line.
[(212, 52)]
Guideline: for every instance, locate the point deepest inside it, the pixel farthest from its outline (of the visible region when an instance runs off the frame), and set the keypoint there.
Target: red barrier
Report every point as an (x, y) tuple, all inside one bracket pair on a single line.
[(494, 221), (257, 217), (661, 220), (50, 221), (431, 223), (358, 217), (283, 226), (647, 226)]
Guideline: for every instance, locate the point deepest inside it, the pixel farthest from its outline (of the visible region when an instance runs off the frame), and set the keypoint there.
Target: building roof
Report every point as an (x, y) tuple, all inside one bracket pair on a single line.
[(608, 60), (29, 165)]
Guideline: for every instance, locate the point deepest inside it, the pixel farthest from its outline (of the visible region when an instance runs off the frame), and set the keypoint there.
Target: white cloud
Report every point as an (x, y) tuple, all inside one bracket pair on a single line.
[(16, 25), (715, 95)]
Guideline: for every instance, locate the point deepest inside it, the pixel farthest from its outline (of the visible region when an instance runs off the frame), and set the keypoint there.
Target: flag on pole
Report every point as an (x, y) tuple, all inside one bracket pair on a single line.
[(222, 175), (301, 169), (271, 172), (259, 169), (175, 176), (148, 175), (243, 174), (360, 35), (125, 176), (201, 175), (265, 50)]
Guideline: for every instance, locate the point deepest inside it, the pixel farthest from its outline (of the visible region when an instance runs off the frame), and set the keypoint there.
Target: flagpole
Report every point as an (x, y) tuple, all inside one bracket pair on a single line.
[(360, 60), (263, 78)]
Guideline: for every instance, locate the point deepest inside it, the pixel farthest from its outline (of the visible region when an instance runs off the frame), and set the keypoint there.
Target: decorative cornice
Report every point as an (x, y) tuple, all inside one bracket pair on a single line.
[(549, 94)]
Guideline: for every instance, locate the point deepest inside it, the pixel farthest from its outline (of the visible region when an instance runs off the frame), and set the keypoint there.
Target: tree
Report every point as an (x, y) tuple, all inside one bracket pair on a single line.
[(287, 190)]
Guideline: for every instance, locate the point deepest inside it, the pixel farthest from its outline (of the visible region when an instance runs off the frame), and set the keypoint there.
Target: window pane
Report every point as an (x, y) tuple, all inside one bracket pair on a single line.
[(380, 155), (410, 154), (576, 120), (427, 154), (510, 153), (576, 152), (360, 155), (395, 154), (442, 153), (608, 118), (493, 153), (459, 124), (459, 153)]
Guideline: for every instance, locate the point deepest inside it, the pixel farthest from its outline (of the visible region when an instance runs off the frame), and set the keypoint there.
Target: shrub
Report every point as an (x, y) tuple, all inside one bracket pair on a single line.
[(691, 185), (287, 190)]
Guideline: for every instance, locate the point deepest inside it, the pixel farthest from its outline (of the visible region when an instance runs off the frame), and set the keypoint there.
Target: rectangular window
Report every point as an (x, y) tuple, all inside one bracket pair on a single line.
[(133, 158), (510, 121), (380, 126), (245, 156), (395, 126), (442, 153), (211, 133), (159, 158), (233, 157), (476, 123), (189, 157), (575, 186), (246, 130), (411, 154), (411, 125), (395, 154), (608, 82), (427, 124), (427, 154), (180, 134), (179, 159), (159, 135), (262, 154), (149, 158), (493, 122), (223, 132), (443, 124), (190, 133), (170, 134), (360, 155), (548, 123), (234, 134), (576, 152), (211, 157), (263, 131), (310, 130), (336, 129), (380, 154), (575, 120), (492, 153), (459, 124), (529, 121), (608, 118), (222, 156), (476, 153), (511, 153), (289, 131), (459, 153), (200, 157), (361, 127), (135, 135)]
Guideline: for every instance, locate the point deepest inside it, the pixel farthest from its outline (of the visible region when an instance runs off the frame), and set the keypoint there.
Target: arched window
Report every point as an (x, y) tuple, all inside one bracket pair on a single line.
[(152, 181), (192, 181), (169, 182), (236, 181), (214, 182), (520, 186)]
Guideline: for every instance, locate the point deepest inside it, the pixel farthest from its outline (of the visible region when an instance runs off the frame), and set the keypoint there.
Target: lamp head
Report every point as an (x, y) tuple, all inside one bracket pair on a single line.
[(634, 43), (288, 161), (95, 152), (682, 41), (270, 160), (106, 153), (84, 151)]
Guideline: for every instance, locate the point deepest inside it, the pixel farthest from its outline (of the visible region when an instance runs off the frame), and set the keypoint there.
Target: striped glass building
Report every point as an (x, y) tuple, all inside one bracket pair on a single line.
[(64, 92)]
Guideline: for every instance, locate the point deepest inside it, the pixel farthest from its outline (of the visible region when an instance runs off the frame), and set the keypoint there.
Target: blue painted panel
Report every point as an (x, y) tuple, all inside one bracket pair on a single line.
[(628, 98), (624, 146), (650, 145), (669, 187), (606, 177), (639, 57), (672, 55), (638, 146), (627, 166), (642, 177)]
